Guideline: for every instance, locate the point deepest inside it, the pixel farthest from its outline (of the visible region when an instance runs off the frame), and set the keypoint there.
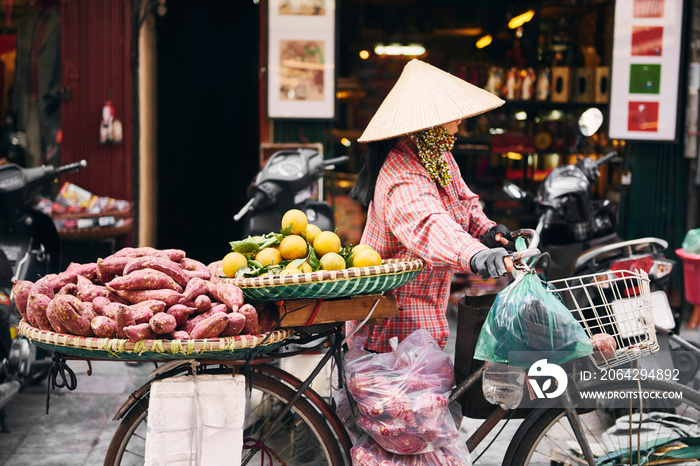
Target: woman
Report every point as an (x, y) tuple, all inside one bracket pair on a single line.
[(418, 204)]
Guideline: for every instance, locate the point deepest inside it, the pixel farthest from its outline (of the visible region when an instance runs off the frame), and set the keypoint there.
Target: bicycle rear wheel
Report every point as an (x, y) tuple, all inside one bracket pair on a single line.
[(301, 438), (617, 435)]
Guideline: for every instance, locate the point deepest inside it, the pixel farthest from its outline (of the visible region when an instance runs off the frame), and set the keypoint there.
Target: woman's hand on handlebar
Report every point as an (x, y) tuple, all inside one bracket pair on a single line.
[(498, 236), (491, 263)]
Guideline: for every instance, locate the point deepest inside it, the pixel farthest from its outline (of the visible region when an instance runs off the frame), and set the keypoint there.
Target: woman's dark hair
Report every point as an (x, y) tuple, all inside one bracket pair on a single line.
[(370, 164)]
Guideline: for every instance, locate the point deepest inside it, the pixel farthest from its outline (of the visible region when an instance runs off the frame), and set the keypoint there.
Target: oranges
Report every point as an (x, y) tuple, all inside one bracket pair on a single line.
[(297, 219), (269, 256), (298, 247), (326, 242), (232, 262), (293, 247), (366, 258)]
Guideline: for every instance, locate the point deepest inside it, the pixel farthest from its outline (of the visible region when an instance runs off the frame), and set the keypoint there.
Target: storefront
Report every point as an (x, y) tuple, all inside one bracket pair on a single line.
[(190, 84)]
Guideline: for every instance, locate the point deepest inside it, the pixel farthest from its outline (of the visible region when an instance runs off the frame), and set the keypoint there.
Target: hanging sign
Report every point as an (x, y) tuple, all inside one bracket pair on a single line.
[(644, 92), (301, 59)]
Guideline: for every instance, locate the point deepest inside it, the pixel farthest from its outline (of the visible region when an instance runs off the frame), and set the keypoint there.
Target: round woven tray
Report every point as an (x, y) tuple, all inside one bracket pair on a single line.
[(113, 348), (325, 284)]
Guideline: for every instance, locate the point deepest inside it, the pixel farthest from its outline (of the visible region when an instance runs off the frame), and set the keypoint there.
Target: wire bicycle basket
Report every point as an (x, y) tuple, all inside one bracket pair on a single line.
[(615, 303)]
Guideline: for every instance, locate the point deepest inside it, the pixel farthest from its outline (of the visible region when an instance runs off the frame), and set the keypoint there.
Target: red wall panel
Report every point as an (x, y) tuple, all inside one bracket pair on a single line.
[(96, 66)]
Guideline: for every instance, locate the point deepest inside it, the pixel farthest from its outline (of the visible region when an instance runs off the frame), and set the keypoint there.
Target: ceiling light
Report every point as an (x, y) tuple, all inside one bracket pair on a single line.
[(413, 50), (484, 41), (521, 19)]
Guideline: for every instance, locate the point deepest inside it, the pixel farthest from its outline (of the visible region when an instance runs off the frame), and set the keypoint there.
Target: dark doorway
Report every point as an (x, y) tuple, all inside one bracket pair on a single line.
[(207, 122)]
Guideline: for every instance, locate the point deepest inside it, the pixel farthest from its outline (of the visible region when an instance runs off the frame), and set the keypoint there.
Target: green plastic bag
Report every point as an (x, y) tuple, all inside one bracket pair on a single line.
[(691, 242), (527, 323)]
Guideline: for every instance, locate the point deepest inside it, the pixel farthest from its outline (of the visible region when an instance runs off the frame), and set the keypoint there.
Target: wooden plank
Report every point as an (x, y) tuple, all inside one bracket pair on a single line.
[(296, 313)]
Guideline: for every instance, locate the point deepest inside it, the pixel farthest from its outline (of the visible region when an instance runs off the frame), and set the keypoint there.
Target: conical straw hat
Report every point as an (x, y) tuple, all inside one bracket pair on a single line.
[(425, 96)]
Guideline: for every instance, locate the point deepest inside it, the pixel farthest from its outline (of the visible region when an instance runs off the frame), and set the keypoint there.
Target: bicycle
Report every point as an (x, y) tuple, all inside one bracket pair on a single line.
[(287, 422)]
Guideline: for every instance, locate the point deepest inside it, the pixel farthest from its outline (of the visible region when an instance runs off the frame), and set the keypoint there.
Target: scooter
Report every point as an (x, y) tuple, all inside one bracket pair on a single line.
[(569, 221), (290, 179), (580, 237), (29, 249)]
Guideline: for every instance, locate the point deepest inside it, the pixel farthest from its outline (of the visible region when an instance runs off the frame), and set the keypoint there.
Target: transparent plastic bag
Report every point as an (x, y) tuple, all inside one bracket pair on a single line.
[(366, 452), (402, 396), (527, 323), (691, 242)]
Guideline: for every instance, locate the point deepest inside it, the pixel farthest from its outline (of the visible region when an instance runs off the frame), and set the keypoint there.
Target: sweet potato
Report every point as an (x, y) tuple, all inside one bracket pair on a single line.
[(162, 264), (103, 327), (88, 270), (202, 303), (20, 293), (218, 307), (144, 279), (195, 287), (139, 332), (62, 279), (36, 311), (88, 291), (154, 305), (216, 271), (181, 313), (139, 252), (43, 286), (141, 313), (210, 327), (54, 318), (70, 288), (124, 319), (175, 255), (178, 335), (169, 297), (192, 322), (162, 323), (252, 327), (230, 295), (72, 315), (111, 265), (236, 322), (110, 310), (194, 268), (88, 310), (99, 304)]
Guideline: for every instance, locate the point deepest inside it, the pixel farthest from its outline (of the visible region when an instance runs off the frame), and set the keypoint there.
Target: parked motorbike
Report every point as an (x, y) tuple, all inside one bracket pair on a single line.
[(580, 237), (569, 220), (29, 249), (290, 179)]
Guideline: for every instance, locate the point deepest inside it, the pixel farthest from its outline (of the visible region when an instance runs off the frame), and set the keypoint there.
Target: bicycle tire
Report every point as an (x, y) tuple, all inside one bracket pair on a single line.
[(128, 443), (545, 437)]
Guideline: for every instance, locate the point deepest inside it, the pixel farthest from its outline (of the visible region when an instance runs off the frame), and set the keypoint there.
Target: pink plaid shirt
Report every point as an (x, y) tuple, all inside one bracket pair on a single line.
[(412, 217)]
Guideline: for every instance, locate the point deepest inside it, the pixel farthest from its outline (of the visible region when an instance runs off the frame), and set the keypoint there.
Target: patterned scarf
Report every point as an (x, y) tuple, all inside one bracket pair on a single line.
[(432, 143)]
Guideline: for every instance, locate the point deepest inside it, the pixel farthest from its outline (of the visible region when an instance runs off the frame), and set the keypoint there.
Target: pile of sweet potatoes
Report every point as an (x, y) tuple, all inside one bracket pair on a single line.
[(139, 293)]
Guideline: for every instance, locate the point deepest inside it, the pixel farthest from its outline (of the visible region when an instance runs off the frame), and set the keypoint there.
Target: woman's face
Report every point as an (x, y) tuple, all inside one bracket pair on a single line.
[(452, 126)]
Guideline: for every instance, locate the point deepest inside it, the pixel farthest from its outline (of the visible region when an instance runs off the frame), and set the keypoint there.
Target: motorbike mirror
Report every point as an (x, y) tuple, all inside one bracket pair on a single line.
[(590, 121), (513, 191)]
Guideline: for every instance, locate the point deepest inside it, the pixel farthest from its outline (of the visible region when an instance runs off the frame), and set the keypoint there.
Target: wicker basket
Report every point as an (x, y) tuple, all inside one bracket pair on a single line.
[(326, 284), (113, 348)]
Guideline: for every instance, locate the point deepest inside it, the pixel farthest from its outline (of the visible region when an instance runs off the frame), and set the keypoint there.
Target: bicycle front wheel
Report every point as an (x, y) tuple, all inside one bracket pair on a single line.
[(625, 422), (302, 437)]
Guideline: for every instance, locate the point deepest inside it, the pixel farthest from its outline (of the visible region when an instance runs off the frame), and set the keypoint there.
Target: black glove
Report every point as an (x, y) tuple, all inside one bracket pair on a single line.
[(489, 263), (488, 239)]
